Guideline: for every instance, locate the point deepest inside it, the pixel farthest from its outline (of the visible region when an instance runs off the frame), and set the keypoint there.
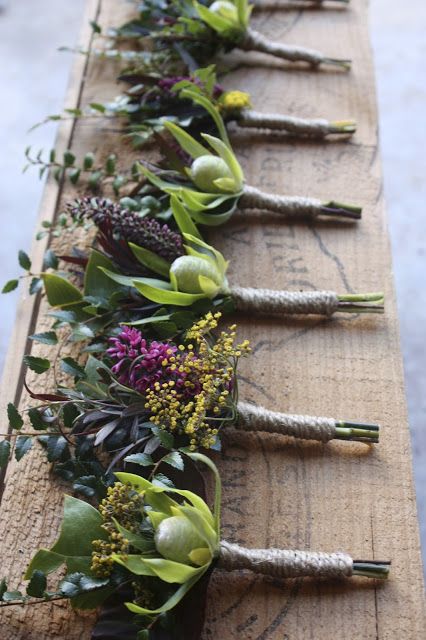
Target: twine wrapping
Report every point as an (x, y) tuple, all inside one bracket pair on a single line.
[(255, 41), (253, 418), (281, 563), (269, 301), (300, 126), (253, 198)]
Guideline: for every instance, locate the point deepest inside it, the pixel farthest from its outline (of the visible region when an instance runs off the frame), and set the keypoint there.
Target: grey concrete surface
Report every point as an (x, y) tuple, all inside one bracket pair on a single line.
[(34, 77)]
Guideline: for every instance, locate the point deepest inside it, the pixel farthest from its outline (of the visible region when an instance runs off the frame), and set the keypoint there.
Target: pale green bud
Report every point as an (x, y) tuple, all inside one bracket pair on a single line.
[(176, 537), (186, 270), (225, 9), (206, 169)]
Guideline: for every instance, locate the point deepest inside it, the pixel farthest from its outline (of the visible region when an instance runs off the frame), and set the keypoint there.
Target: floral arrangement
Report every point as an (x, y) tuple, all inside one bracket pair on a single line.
[(145, 536), (143, 295)]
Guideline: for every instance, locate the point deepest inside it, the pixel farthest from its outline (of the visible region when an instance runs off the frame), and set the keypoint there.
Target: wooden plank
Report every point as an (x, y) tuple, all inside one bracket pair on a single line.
[(278, 492)]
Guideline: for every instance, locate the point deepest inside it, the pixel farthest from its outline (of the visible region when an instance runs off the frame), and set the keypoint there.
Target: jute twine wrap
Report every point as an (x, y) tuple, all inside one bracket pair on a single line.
[(253, 418), (269, 301), (280, 563), (253, 198), (255, 41), (317, 127)]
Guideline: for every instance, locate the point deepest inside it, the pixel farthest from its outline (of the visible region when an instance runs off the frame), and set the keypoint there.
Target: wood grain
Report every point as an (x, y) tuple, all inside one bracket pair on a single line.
[(277, 492)]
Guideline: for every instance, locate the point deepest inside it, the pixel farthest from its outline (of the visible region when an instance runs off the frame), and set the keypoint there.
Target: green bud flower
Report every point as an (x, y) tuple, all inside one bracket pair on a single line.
[(206, 169), (186, 272), (176, 538), (225, 9)]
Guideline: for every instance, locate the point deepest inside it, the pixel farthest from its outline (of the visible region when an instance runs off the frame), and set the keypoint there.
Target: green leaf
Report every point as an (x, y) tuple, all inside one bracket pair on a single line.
[(95, 26), (11, 285), (96, 282), (165, 437), (143, 459), (80, 526), (36, 419), (48, 337), (88, 161), (72, 368), (182, 218), (50, 260), (4, 453), (167, 570), (167, 297), (10, 596), (24, 260), (76, 583), (22, 446), (37, 585), (139, 542), (56, 447), (15, 419), (151, 260), (35, 285), (204, 102), (69, 159), (3, 588), (97, 106), (174, 459), (60, 292), (38, 365), (218, 23), (172, 601), (186, 141), (110, 165)]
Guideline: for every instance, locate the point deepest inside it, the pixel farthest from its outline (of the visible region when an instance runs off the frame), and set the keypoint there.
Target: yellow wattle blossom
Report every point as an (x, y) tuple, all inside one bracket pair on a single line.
[(205, 397), (235, 101)]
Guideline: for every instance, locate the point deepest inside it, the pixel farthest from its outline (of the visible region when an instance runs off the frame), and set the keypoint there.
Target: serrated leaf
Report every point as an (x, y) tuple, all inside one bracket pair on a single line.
[(142, 459), (11, 285), (24, 260), (166, 438), (37, 585), (56, 447), (4, 453), (10, 596), (36, 419), (50, 260), (3, 588), (36, 285), (160, 480), (15, 419), (77, 583), (72, 368), (174, 459), (22, 446), (38, 365), (47, 337)]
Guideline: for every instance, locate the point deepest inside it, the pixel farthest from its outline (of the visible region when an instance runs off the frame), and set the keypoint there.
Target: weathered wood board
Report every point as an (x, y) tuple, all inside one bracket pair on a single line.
[(276, 492)]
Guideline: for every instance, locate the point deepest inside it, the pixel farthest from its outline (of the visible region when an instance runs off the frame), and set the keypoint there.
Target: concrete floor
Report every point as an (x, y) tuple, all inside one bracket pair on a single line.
[(34, 78)]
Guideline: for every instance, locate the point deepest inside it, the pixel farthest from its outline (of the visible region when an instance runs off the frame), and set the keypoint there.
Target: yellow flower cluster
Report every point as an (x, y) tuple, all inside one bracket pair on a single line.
[(235, 101), (125, 505), (206, 398)]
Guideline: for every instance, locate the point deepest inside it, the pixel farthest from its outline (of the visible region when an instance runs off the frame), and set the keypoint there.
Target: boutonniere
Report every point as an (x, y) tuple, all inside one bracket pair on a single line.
[(201, 274), (160, 541), (203, 31), (211, 183)]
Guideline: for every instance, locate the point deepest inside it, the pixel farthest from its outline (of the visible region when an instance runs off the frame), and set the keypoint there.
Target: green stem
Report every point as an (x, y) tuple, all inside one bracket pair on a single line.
[(357, 431), (343, 126), (371, 569), (341, 210), (361, 303)]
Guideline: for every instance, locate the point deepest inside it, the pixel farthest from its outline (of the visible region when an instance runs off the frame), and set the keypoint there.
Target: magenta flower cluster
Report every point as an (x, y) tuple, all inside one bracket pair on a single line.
[(141, 364)]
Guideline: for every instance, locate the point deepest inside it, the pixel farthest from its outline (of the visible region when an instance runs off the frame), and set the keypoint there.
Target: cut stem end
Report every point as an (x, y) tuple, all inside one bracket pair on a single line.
[(371, 569)]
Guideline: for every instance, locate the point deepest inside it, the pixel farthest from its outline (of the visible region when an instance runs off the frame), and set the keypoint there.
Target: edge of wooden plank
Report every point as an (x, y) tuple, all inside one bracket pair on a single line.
[(28, 305)]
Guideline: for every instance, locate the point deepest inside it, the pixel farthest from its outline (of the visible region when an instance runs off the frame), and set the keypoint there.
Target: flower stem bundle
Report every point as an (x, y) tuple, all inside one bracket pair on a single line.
[(326, 303), (316, 128), (254, 418), (283, 563)]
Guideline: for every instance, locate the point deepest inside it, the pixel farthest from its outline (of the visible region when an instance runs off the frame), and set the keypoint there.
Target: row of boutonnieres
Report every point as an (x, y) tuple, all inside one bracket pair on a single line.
[(153, 399)]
